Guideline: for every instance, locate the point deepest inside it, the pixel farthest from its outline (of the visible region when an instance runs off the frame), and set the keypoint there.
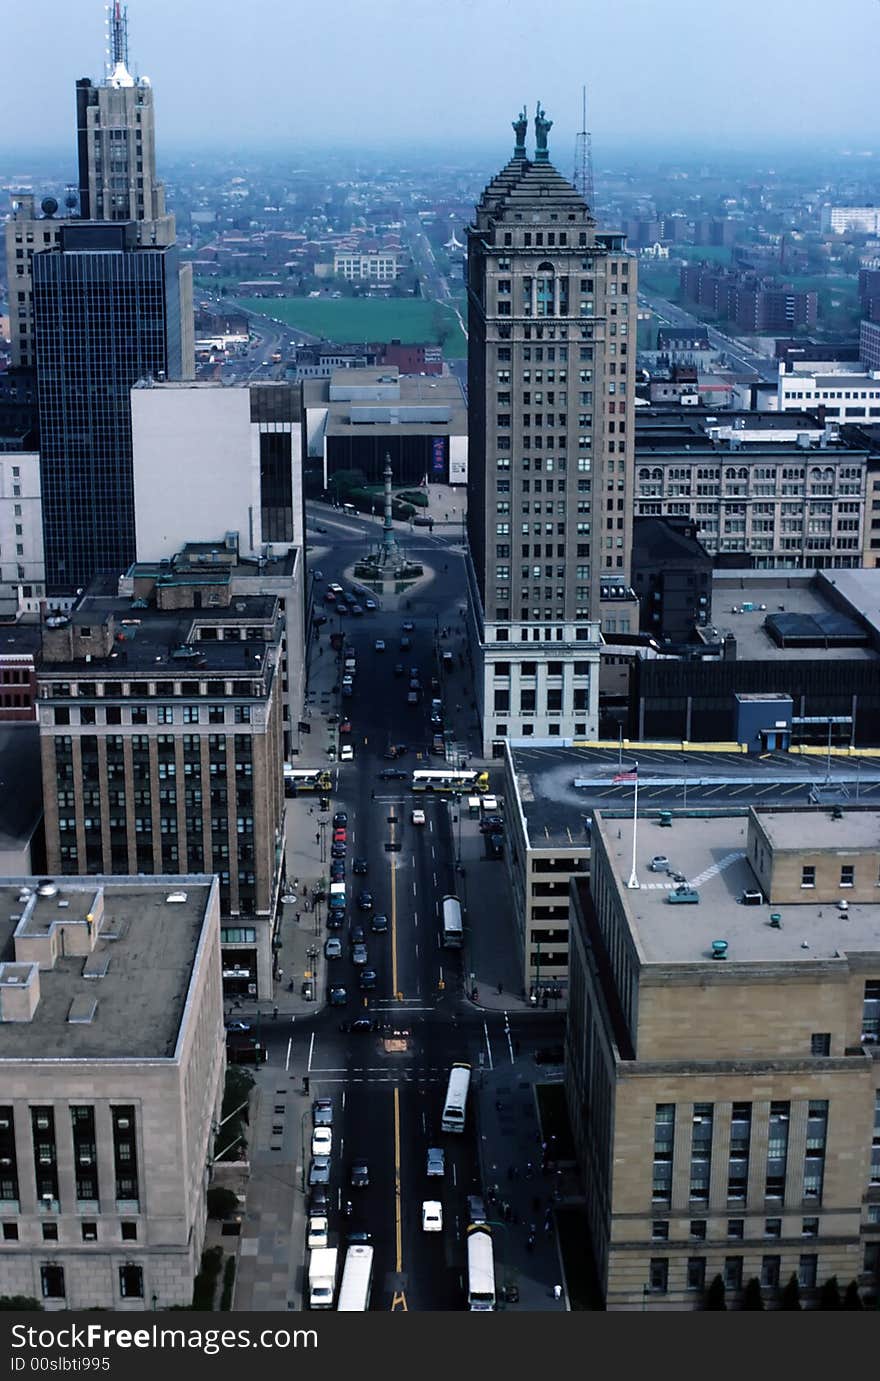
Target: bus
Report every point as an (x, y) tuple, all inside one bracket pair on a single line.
[(297, 780), (456, 1098), (453, 930), (481, 1268), (357, 1278), (431, 780)]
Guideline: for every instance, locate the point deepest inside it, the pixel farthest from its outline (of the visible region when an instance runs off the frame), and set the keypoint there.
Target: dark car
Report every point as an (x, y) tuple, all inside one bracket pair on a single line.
[(319, 1199), (337, 997), (379, 923), (319, 620), (495, 845), (405, 643), (361, 1026), (437, 722), (335, 919), (347, 692), (393, 774), (338, 851), (357, 935), (491, 824), (421, 521), (398, 668), (365, 901), (341, 607), (360, 1175), (237, 1025), (340, 820), (367, 980), (359, 1238), (337, 870), (359, 867)]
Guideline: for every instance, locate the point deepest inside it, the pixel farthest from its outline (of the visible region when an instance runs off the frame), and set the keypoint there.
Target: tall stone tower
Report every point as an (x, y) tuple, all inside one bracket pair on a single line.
[(551, 358)]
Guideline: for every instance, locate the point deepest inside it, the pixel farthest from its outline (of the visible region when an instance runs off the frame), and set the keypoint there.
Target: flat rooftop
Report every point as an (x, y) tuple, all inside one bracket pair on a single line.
[(779, 596), (143, 963), (555, 809), (710, 852), (859, 829)]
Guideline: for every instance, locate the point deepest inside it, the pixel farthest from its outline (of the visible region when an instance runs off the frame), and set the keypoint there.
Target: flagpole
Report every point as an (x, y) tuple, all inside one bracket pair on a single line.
[(633, 879)]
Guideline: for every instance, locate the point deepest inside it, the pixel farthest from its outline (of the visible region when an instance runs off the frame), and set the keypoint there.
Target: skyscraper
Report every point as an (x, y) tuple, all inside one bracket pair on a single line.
[(107, 313), (551, 350)]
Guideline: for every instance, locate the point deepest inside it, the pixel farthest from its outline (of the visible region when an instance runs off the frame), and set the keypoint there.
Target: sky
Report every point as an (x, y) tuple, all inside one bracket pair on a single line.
[(244, 74)]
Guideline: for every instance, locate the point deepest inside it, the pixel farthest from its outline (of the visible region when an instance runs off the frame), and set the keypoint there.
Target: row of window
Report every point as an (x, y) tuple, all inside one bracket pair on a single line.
[(128, 1231), (82, 1148), (131, 1281), (732, 1273), (139, 714)]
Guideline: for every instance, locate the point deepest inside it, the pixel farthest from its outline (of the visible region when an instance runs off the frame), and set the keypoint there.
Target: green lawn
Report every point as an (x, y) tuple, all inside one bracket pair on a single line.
[(345, 320)]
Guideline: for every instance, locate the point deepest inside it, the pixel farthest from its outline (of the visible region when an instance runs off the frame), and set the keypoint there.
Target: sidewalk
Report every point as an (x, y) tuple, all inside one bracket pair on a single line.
[(519, 1196)]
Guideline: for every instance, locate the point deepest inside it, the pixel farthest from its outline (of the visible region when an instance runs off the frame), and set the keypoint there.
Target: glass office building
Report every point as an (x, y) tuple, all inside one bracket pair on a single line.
[(106, 313)]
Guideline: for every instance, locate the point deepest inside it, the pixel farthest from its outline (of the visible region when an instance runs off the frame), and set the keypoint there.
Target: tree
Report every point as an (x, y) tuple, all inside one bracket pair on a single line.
[(753, 1299), (222, 1202), (791, 1295), (715, 1297), (852, 1299), (19, 1302), (829, 1296)]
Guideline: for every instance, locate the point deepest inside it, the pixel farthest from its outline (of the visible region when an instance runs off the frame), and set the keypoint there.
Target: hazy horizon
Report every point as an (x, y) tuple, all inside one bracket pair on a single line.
[(403, 75)]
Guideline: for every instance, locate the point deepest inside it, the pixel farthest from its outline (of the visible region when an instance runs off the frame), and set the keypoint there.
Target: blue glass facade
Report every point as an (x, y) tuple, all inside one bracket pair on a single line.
[(106, 313)]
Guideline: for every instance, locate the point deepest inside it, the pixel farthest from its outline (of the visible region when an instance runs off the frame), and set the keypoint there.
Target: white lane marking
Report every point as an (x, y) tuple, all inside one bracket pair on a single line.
[(338, 1081), (417, 949), (488, 1046), (434, 875), (433, 854), (431, 826), (289, 1049), (416, 919), (414, 886), (454, 1176), (507, 1034), (311, 1053), (424, 1123)]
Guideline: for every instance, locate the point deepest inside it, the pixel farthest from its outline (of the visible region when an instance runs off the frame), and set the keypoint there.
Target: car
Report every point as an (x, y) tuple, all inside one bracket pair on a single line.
[(367, 980), (329, 597), (436, 1161), (318, 528), (379, 924), (365, 901), (407, 625), (316, 1233), (398, 668), (319, 620), (347, 692), (359, 1238), (237, 1025), (322, 1112), (359, 867), (319, 1199), (405, 644), (347, 680), (357, 935), (337, 997), (335, 918), (322, 1142), (379, 645), (438, 745), (319, 1170), (421, 521), (371, 605), (412, 697), (340, 820), (332, 718), (338, 851), (491, 824), (345, 726), (437, 723), (476, 1209), (432, 1211), (360, 1175), (333, 948), (337, 870), (351, 598), (317, 575), (346, 753), (418, 817), (361, 1026), (659, 864), (359, 954), (495, 845), (340, 834), (341, 607), (357, 610), (393, 774), (337, 589)]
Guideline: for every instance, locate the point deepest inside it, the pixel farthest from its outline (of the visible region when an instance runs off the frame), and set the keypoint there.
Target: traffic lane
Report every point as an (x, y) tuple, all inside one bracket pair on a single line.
[(432, 1261), (368, 1119)]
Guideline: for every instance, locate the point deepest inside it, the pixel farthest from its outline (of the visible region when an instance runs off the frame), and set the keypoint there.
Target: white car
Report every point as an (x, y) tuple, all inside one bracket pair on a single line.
[(379, 645), (418, 817), (432, 1216), (322, 1141), (337, 589), (316, 1236), (346, 753)]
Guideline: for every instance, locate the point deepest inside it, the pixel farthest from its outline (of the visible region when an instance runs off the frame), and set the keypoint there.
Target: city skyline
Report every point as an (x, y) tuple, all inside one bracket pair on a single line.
[(669, 86)]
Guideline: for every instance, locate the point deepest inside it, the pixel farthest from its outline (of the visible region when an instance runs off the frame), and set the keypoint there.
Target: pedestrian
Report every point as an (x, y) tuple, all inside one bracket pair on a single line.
[(317, 836), (296, 917), (557, 1292), (274, 1013), (500, 989), (528, 1169)]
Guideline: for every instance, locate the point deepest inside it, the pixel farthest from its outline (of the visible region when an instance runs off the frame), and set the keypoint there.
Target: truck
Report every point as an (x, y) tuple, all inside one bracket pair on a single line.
[(322, 1277)]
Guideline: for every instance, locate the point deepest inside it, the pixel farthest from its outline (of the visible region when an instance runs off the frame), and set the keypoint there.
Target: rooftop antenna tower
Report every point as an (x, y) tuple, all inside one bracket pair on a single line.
[(117, 35), (583, 159)]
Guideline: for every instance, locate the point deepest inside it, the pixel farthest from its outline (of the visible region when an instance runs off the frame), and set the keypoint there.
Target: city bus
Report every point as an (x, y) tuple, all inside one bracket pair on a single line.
[(297, 780), (481, 1268), (357, 1278), (456, 1098), (431, 780), (453, 929)]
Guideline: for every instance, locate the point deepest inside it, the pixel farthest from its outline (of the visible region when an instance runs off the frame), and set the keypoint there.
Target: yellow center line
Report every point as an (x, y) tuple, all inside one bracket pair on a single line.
[(397, 1217)]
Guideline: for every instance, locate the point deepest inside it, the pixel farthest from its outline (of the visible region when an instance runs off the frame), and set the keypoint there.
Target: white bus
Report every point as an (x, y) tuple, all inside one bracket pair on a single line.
[(453, 929), (456, 1098), (430, 780), (297, 780), (357, 1278), (481, 1268)]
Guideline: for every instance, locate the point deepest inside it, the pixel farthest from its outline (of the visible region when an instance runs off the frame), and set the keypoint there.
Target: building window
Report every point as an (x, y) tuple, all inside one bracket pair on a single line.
[(131, 1282), (659, 1231), (10, 1232), (772, 1227), (129, 1232), (52, 1282), (820, 1043), (740, 1142), (808, 1268), (847, 875), (736, 1228), (814, 1159), (808, 876), (733, 1272), (698, 1229), (770, 1266), (50, 1232), (90, 1232), (810, 1227), (696, 1273), (871, 1011), (777, 1150), (664, 1135), (658, 1274), (701, 1152)]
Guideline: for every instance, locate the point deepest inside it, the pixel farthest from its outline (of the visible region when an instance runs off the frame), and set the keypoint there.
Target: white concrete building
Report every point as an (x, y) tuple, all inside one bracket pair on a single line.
[(863, 219), (376, 267), (111, 1080), (22, 566), (847, 394)]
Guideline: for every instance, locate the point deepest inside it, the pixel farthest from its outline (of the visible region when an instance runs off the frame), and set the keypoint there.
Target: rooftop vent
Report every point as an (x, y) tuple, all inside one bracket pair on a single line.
[(47, 888), (719, 949), (776, 920), (843, 905), (836, 813), (176, 897)]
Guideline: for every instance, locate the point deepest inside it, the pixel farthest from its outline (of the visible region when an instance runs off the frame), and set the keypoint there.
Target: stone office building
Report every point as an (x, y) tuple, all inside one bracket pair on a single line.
[(722, 1067), (111, 1081), (161, 737)]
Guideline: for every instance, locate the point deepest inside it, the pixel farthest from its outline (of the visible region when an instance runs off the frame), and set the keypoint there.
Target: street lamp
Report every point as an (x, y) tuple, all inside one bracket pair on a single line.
[(302, 1135)]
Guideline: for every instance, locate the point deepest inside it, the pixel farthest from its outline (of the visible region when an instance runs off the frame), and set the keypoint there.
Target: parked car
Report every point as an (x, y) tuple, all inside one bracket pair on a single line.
[(337, 997), (319, 1170), (357, 610), (476, 1209), (359, 954), (495, 845), (316, 1234), (436, 1161), (319, 1199), (340, 820), (337, 851), (335, 918), (345, 726), (322, 1141), (332, 948), (337, 870), (491, 824), (322, 1112)]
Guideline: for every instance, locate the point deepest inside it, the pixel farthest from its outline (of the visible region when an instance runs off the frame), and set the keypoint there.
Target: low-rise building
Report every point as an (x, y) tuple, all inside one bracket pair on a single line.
[(722, 1068), (379, 266), (111, 1081)]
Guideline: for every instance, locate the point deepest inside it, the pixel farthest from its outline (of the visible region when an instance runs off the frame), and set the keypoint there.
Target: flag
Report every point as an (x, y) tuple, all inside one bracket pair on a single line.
[(631, 775)]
